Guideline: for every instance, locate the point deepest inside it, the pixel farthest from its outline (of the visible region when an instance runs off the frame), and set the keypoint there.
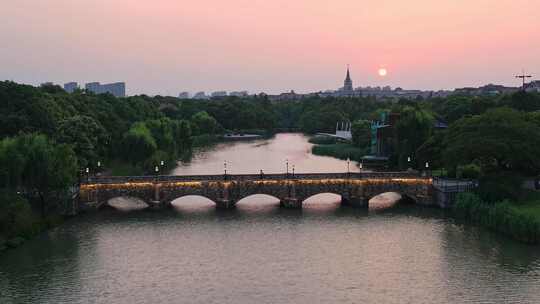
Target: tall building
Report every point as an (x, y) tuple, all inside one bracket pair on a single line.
[(117, 89), (94, 87), (70, 87), (348, 85)]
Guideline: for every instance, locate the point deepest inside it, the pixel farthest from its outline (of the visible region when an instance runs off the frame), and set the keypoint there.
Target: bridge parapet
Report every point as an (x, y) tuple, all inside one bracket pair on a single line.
[(248, 177)]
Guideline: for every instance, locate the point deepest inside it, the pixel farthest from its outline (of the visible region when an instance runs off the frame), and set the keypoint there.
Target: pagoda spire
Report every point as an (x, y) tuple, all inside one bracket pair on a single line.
[(348, 85)]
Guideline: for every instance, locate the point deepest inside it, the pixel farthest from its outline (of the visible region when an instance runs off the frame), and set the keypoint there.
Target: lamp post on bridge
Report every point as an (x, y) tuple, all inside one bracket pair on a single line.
[(98, 171), (225, 170), (348, 167), (156, 169), (293, 171), (287, 166), (87, 170), (427, 169)]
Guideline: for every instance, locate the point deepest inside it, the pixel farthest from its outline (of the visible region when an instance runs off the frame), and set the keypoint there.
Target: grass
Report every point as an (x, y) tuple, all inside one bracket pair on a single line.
[(519, 220), (529, 204), (339, 150), (322, 140)]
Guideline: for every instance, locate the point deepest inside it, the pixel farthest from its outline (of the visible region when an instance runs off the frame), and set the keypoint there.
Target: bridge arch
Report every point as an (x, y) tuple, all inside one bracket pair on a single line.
[(266, 198), (331, 196), (123, 202), (192, 199)]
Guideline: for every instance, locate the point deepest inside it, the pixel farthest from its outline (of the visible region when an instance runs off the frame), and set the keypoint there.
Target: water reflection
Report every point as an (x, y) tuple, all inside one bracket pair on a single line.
[(269, 155), (126, 204)]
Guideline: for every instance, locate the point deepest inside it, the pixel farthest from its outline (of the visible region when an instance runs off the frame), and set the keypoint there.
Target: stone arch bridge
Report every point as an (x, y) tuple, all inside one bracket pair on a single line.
[(356, 189)]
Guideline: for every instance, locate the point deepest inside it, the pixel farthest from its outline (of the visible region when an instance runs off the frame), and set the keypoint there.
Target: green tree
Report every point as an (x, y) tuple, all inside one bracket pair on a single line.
[(138, 144), (87, 137), (162, 131), (504, 143), (524, 101), (321, 120), (499, 140), (47, 169), (204, 124), (414, 127), (361, 133), (182, 135)]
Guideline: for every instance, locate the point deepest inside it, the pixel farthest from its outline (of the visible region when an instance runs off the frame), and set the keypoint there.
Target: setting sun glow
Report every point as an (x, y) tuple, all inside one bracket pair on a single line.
[(382, 72)]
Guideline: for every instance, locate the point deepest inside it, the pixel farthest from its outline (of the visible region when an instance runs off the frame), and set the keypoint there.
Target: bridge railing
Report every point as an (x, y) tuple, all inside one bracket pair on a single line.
[(455, 185), (247, 177)]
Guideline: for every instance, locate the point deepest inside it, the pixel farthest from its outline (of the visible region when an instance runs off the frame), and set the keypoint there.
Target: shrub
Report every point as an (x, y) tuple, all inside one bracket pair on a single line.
[(16, 216), (499, 217), (322, 140), (497, 187), (340, 150), (471, 171)]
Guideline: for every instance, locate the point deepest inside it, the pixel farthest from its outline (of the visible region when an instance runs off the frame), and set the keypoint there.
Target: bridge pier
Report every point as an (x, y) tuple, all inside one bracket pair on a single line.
[(156, 205), (225, 204), (291, 203), (357, 202)]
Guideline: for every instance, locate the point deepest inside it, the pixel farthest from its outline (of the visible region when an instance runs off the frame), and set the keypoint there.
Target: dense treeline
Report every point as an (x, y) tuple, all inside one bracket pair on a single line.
[(48, 137)]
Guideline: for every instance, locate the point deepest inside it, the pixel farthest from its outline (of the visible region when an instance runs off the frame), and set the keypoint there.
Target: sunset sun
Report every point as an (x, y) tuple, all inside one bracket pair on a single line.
[(382, 72)]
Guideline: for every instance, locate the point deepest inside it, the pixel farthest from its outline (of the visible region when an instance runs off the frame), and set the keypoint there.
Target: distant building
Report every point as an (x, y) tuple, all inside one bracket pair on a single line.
[(200, 95), (533, 86), (347, 84), (218, 94), (490, 89), (117, 89), (347, 90), (239, 93), (46, 84), (183, 95), (70, 87)]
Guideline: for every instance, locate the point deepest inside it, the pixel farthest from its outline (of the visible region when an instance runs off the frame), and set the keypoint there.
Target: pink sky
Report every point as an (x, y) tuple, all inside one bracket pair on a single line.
[(168, 46)]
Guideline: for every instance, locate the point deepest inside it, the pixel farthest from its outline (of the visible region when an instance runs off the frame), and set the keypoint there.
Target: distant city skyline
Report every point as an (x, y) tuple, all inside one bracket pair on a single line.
[(165, 47)]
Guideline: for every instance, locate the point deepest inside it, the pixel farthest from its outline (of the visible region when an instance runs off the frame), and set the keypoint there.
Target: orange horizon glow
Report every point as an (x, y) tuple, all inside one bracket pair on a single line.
[(168, 46)]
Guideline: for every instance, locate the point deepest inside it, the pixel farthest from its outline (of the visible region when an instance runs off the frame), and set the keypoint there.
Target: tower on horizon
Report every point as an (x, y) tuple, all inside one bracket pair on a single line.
[(348, 85)]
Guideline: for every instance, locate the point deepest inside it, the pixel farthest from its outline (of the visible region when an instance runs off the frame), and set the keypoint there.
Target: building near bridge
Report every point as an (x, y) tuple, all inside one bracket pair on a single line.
[(183, 95), (117, 89)]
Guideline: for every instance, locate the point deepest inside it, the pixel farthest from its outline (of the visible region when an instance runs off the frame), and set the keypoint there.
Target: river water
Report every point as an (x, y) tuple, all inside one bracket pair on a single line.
[(259, 253)]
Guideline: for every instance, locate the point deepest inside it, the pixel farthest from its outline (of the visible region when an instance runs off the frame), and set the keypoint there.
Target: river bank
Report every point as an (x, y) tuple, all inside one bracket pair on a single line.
[(327, 146), (518, 220)]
